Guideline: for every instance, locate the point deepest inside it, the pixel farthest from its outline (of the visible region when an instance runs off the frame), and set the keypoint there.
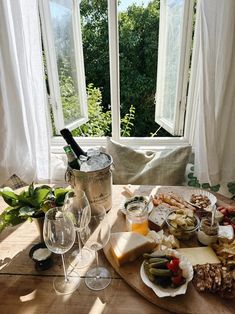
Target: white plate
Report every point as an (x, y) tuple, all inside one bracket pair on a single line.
[(188, 193), (170, 292), (123, 208)]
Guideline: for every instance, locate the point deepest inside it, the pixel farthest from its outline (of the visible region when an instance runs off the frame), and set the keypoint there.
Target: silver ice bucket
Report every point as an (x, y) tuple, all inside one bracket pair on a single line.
[(96, 184)]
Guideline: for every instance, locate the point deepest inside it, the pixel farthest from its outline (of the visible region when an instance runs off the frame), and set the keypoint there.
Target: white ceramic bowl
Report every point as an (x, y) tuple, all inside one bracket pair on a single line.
[(187, 194), (161, 292)]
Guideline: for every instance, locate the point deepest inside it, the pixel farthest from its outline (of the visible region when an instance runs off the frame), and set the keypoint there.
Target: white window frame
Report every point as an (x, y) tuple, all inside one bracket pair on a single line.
[(52, 69), (177, 127), (142, 143)]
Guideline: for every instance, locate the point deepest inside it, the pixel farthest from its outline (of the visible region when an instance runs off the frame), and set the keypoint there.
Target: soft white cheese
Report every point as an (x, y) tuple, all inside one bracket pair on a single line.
[(41, 254)]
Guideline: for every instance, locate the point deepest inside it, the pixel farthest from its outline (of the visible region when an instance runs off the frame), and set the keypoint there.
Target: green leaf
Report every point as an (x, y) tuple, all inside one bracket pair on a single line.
[(25, 199), (10, 217), (194, 183), (9, 197), (205, 185), (39, 196), (191, 176), (31, 189), (42, 187), (231, 187), (60, 195), (26, 211), (215, 188)]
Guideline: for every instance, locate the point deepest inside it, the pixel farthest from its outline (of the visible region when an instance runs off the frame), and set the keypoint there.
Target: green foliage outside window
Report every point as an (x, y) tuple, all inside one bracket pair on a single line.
[(138, 51), (99, 123), (69, 95), (138, 45)]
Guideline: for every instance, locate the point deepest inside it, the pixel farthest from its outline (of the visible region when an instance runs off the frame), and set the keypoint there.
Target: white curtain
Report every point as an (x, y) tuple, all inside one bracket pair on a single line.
[(24, 136), (214, 91)]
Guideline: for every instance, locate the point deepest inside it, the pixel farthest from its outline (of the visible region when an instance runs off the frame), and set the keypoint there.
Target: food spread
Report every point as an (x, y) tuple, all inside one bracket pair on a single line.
[(172, 220)]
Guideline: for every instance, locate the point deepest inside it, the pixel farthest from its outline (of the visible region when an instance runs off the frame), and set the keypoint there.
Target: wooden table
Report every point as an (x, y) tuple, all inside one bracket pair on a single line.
[(25, 290)]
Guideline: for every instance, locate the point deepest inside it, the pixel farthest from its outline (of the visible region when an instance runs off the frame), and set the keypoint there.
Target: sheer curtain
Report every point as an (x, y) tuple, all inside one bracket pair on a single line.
[(214, 91), (24, 135)]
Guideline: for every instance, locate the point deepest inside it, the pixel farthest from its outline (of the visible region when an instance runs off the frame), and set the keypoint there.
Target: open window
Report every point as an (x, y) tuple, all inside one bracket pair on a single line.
[(175, 38), (62, 44)]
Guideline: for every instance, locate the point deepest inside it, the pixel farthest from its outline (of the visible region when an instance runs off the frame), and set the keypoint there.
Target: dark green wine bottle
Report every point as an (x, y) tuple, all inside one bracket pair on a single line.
[(72, 159)]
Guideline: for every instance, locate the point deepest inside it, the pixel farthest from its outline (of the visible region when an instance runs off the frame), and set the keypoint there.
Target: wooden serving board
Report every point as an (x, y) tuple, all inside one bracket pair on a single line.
[(191, 302)]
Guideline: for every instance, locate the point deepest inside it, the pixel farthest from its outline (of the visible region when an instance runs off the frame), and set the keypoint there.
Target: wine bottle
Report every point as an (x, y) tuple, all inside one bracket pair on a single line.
[(72, 159), (67, 135)]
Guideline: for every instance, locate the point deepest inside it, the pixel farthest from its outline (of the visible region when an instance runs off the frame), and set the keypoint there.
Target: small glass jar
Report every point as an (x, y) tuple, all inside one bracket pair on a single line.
[(208, 233), (137, 217)]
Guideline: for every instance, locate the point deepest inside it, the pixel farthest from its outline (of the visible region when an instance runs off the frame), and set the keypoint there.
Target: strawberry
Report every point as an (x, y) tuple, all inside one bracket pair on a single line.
[(173, 265)]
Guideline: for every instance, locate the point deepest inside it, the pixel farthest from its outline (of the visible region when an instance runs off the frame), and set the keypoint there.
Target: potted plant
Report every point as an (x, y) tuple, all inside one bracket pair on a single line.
[(30, 204)]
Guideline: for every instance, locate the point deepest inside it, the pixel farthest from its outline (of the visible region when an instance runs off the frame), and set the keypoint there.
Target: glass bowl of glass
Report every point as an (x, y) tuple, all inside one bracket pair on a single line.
[(182, 225)]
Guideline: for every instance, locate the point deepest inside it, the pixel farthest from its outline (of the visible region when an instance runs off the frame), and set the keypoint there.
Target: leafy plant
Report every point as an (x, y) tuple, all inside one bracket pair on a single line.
[(31, 203), (126, 122)]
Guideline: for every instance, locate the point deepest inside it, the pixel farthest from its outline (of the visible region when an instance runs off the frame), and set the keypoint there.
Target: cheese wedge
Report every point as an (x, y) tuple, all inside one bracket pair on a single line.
[(200, 255), (127, 246)]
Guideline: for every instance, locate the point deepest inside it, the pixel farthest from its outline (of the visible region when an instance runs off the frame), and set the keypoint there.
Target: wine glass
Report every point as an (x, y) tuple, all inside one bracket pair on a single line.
[(96, 236), (59, 237), (76, 203)]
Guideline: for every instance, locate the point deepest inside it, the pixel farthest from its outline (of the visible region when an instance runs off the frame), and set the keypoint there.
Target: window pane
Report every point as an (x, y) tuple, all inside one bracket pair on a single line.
[(95, 38), (62, 24), (174, 18)]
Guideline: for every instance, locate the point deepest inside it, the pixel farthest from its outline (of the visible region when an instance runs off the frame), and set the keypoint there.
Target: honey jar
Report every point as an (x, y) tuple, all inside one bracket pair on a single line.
[(137, 217)]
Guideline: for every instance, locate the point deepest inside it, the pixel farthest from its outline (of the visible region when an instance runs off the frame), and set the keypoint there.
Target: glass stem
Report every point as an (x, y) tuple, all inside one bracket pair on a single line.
[(97, 275), (79, 243), (65, 273)]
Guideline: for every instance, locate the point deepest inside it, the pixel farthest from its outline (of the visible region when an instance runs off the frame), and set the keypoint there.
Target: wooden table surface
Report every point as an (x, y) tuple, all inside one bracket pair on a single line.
[(25, 290)]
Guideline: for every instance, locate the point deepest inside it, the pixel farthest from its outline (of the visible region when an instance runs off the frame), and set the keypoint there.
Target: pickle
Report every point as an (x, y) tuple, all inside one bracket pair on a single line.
[(146, 269), (158, 264), (157, 260), (160, 272)]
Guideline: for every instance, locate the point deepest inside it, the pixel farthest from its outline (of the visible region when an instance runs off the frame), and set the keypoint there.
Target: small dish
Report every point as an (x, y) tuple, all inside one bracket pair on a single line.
[(161, 292), (136, 198), (187, 195), (42, 257)]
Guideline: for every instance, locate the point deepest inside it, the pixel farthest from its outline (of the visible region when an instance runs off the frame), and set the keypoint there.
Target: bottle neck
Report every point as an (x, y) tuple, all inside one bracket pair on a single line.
[(70, 156)]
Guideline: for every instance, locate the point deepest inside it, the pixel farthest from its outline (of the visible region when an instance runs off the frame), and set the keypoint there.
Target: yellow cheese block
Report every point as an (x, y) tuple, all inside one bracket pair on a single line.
[(200, 255), (127, 246)]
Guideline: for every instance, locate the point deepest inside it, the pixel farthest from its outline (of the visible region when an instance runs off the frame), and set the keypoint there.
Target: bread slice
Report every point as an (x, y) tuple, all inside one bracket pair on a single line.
[(127, 246)]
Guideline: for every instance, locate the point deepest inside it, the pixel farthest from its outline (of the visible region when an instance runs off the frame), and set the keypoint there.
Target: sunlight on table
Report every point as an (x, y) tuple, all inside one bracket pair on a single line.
[(97, 307), (28, 297)]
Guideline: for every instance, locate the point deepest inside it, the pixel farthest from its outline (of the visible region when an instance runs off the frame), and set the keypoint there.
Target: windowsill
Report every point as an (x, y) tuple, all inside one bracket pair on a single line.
[(141, 143)]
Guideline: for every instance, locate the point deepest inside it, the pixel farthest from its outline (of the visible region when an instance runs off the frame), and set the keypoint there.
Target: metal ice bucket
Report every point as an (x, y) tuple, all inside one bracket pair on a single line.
[(96, 184)]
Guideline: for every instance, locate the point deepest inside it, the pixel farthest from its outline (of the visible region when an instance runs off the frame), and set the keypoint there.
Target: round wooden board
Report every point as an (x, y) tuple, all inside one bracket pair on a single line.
[(191, 302)]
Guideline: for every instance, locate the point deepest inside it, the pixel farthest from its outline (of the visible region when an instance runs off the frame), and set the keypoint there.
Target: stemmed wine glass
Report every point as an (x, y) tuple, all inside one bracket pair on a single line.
[(76, 203), (96, 236), (59, 237)]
